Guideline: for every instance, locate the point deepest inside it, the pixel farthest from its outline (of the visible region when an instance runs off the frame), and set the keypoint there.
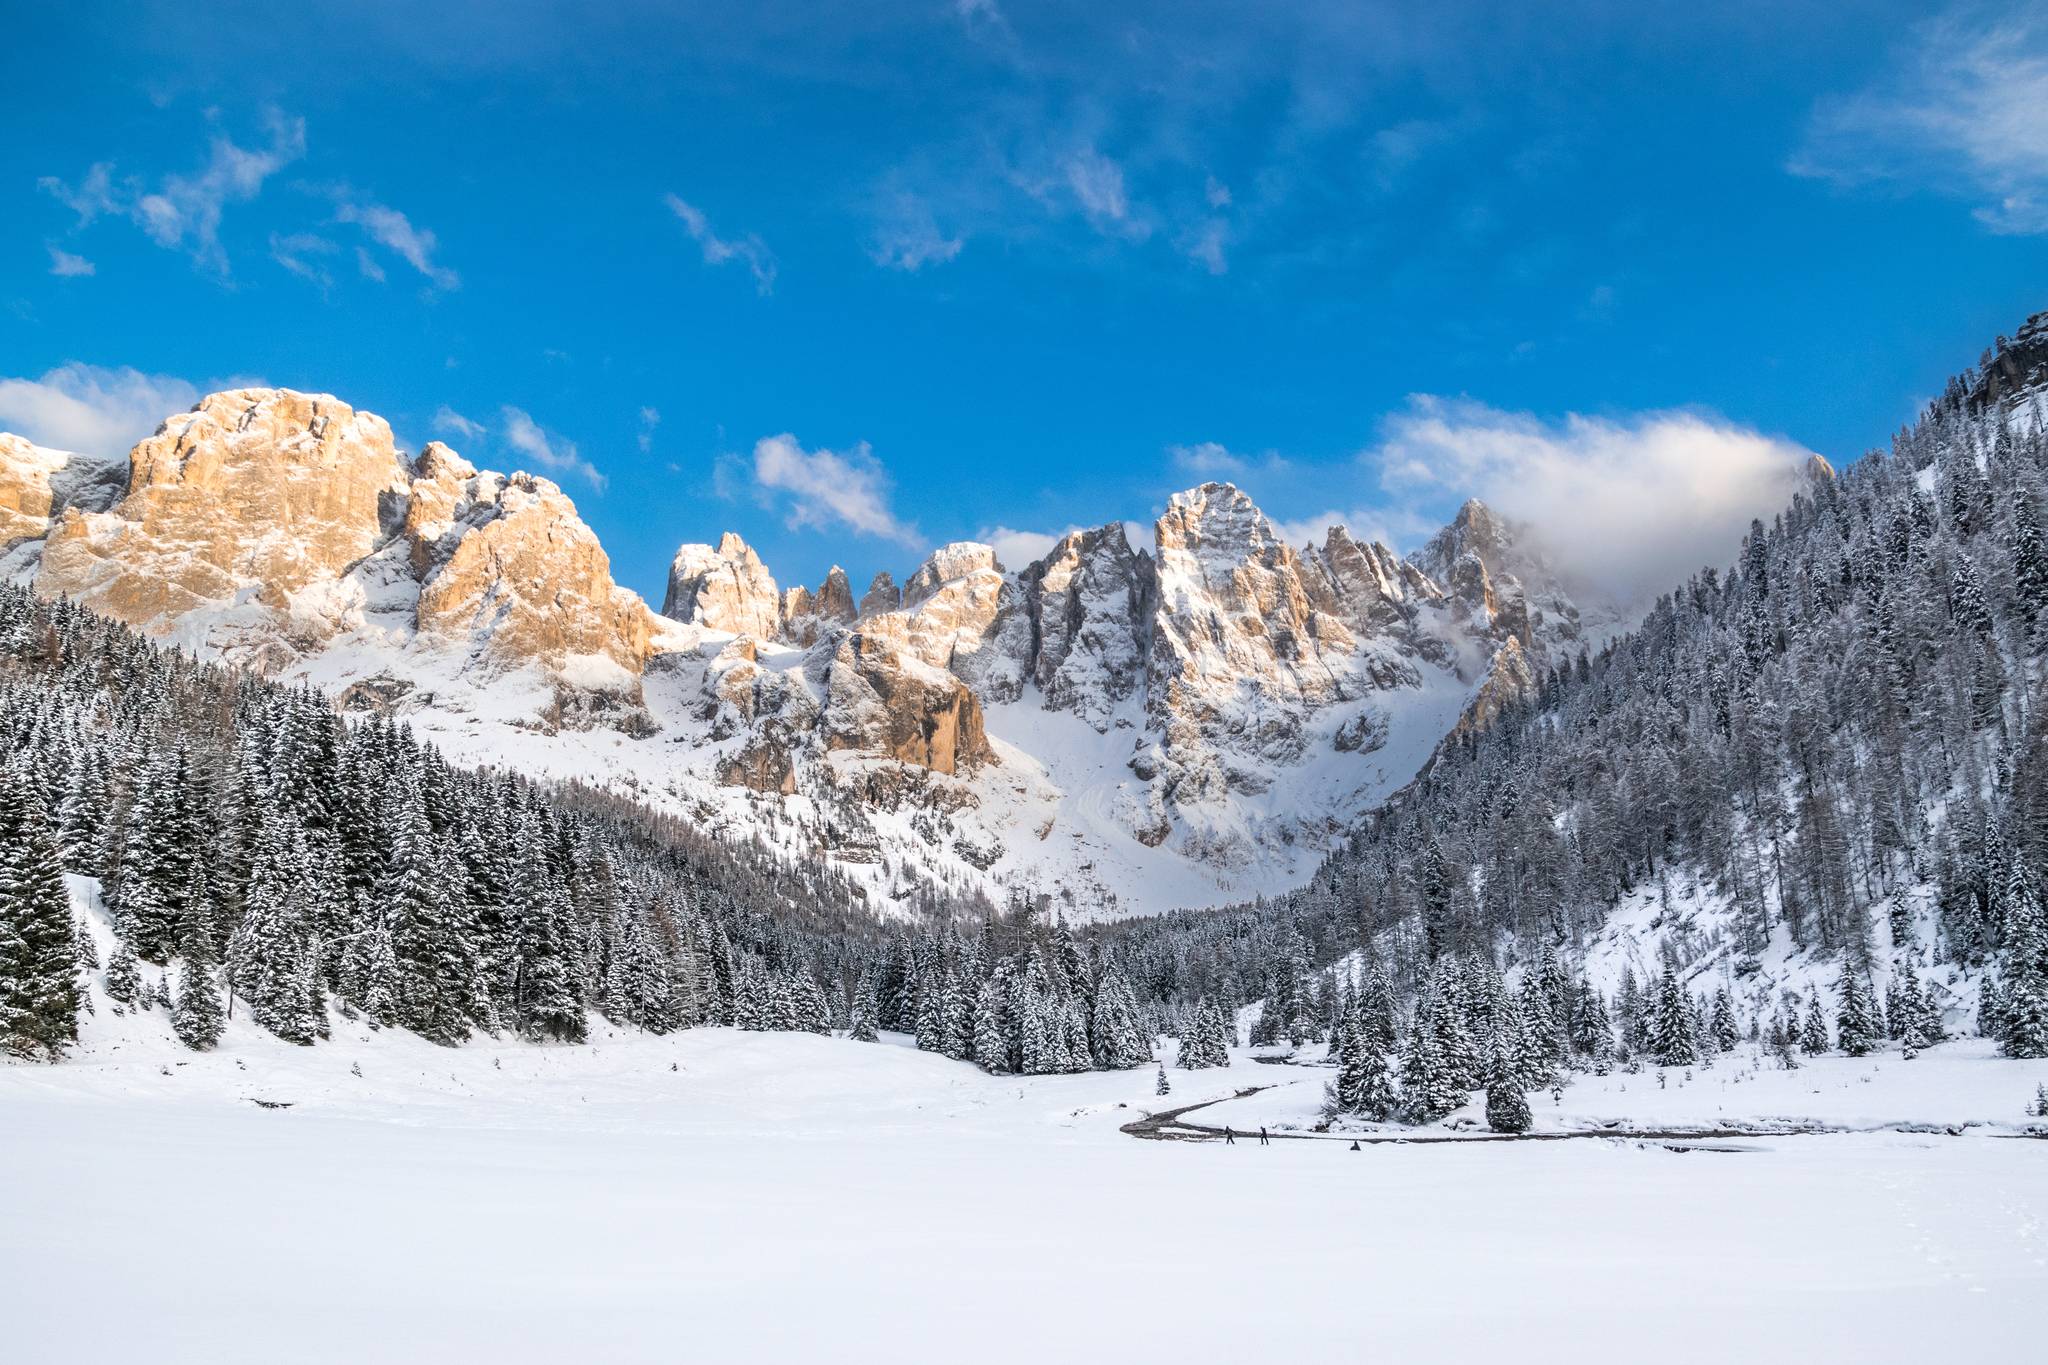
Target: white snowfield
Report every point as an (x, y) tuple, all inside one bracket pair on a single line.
[(727, 1196)]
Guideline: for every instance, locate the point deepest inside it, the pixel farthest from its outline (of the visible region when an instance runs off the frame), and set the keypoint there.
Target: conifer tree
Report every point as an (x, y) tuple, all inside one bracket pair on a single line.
[(992, 1025), (1671, 1041), (1724, 1029), (1430, 1085), (39, 994), (1856, 1030), (197, 1017), (124, 981), (1507, 1105), (862, 1014), (1813, 1038)]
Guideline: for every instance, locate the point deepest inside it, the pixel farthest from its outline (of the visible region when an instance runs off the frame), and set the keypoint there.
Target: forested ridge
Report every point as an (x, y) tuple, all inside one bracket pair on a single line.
[(1842, 725)]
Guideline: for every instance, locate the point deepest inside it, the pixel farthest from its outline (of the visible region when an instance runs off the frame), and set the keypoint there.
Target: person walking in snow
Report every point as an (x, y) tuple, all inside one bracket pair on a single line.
[(1229, 1138), (1264, 1141)]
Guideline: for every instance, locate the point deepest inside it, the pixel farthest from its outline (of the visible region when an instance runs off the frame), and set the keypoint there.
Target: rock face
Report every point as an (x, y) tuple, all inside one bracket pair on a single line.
[(726, 589), (272, 527), (1091, 601), (257, 490), (1211, 668), (2016, 365), (37, 485)]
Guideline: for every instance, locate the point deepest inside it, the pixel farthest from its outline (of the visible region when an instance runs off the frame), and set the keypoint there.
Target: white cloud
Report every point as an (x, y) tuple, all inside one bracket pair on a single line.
[(1396, 527), (548, 450), (1016, 549), (184, 212), (368, 267), (300, 253), (67, 265), (89, 409), (1205, 243), (717, 250), (449, 422), (395, 232), (1215, 193), (1098, 184), (824, 488), (650, 418), (908, 236), (1214, 460), (984, 19), (1961, 112), (1633, 504)]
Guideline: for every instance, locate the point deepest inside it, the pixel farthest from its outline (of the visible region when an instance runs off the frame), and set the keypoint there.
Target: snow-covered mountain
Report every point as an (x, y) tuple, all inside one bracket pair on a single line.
[(1116, 726)]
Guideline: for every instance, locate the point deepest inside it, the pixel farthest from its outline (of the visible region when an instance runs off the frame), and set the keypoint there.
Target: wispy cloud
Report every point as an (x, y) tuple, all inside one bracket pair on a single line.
[(1213, 460), (650, 418), (822, 489), (750, 250), (66, 265), (984, 19), (395, 232), (547, 449), (907, 234), (1961, 112), (184, 212), (303, 254), (449, 422), (90, 409)]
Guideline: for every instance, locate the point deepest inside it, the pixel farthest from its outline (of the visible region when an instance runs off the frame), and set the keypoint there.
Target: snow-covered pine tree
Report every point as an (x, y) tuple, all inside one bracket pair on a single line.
[(1116, 1039), (421, 895), (992, 1024), (265, 955), (1431, 1087), (39, 994), (124, 981), (1670, 1040), (1813, 1036), (1723, 1027), (1856, 1030), (863, 1010), (196, 1016), (1507, 1104)]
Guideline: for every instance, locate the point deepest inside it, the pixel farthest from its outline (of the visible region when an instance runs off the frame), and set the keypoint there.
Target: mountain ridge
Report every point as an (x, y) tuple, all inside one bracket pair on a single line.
[(1109, 727)]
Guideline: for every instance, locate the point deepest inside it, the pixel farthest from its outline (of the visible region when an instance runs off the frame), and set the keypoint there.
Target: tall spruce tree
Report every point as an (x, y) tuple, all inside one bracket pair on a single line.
[(39, 995)]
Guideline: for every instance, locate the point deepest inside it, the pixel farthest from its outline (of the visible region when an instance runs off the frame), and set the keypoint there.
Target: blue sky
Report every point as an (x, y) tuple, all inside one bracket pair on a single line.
[(997, 268)]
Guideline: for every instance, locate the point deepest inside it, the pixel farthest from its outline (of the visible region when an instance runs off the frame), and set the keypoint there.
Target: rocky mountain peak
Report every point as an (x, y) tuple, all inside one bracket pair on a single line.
[(263, 489), (727, 589), (274, 527), (882, 595), (1475, 530), (947, 564)]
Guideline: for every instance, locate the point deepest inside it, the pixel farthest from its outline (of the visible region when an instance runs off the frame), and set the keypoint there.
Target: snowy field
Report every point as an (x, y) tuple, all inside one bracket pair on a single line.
[(724, 1196)]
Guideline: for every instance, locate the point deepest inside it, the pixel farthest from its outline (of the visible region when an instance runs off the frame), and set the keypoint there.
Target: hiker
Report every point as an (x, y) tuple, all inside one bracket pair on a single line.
[(1264, 1141), (1229, 1138)]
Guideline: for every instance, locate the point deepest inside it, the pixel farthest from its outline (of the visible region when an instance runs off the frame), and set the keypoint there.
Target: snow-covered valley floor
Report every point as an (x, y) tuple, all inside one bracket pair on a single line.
[(725, 1196)]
